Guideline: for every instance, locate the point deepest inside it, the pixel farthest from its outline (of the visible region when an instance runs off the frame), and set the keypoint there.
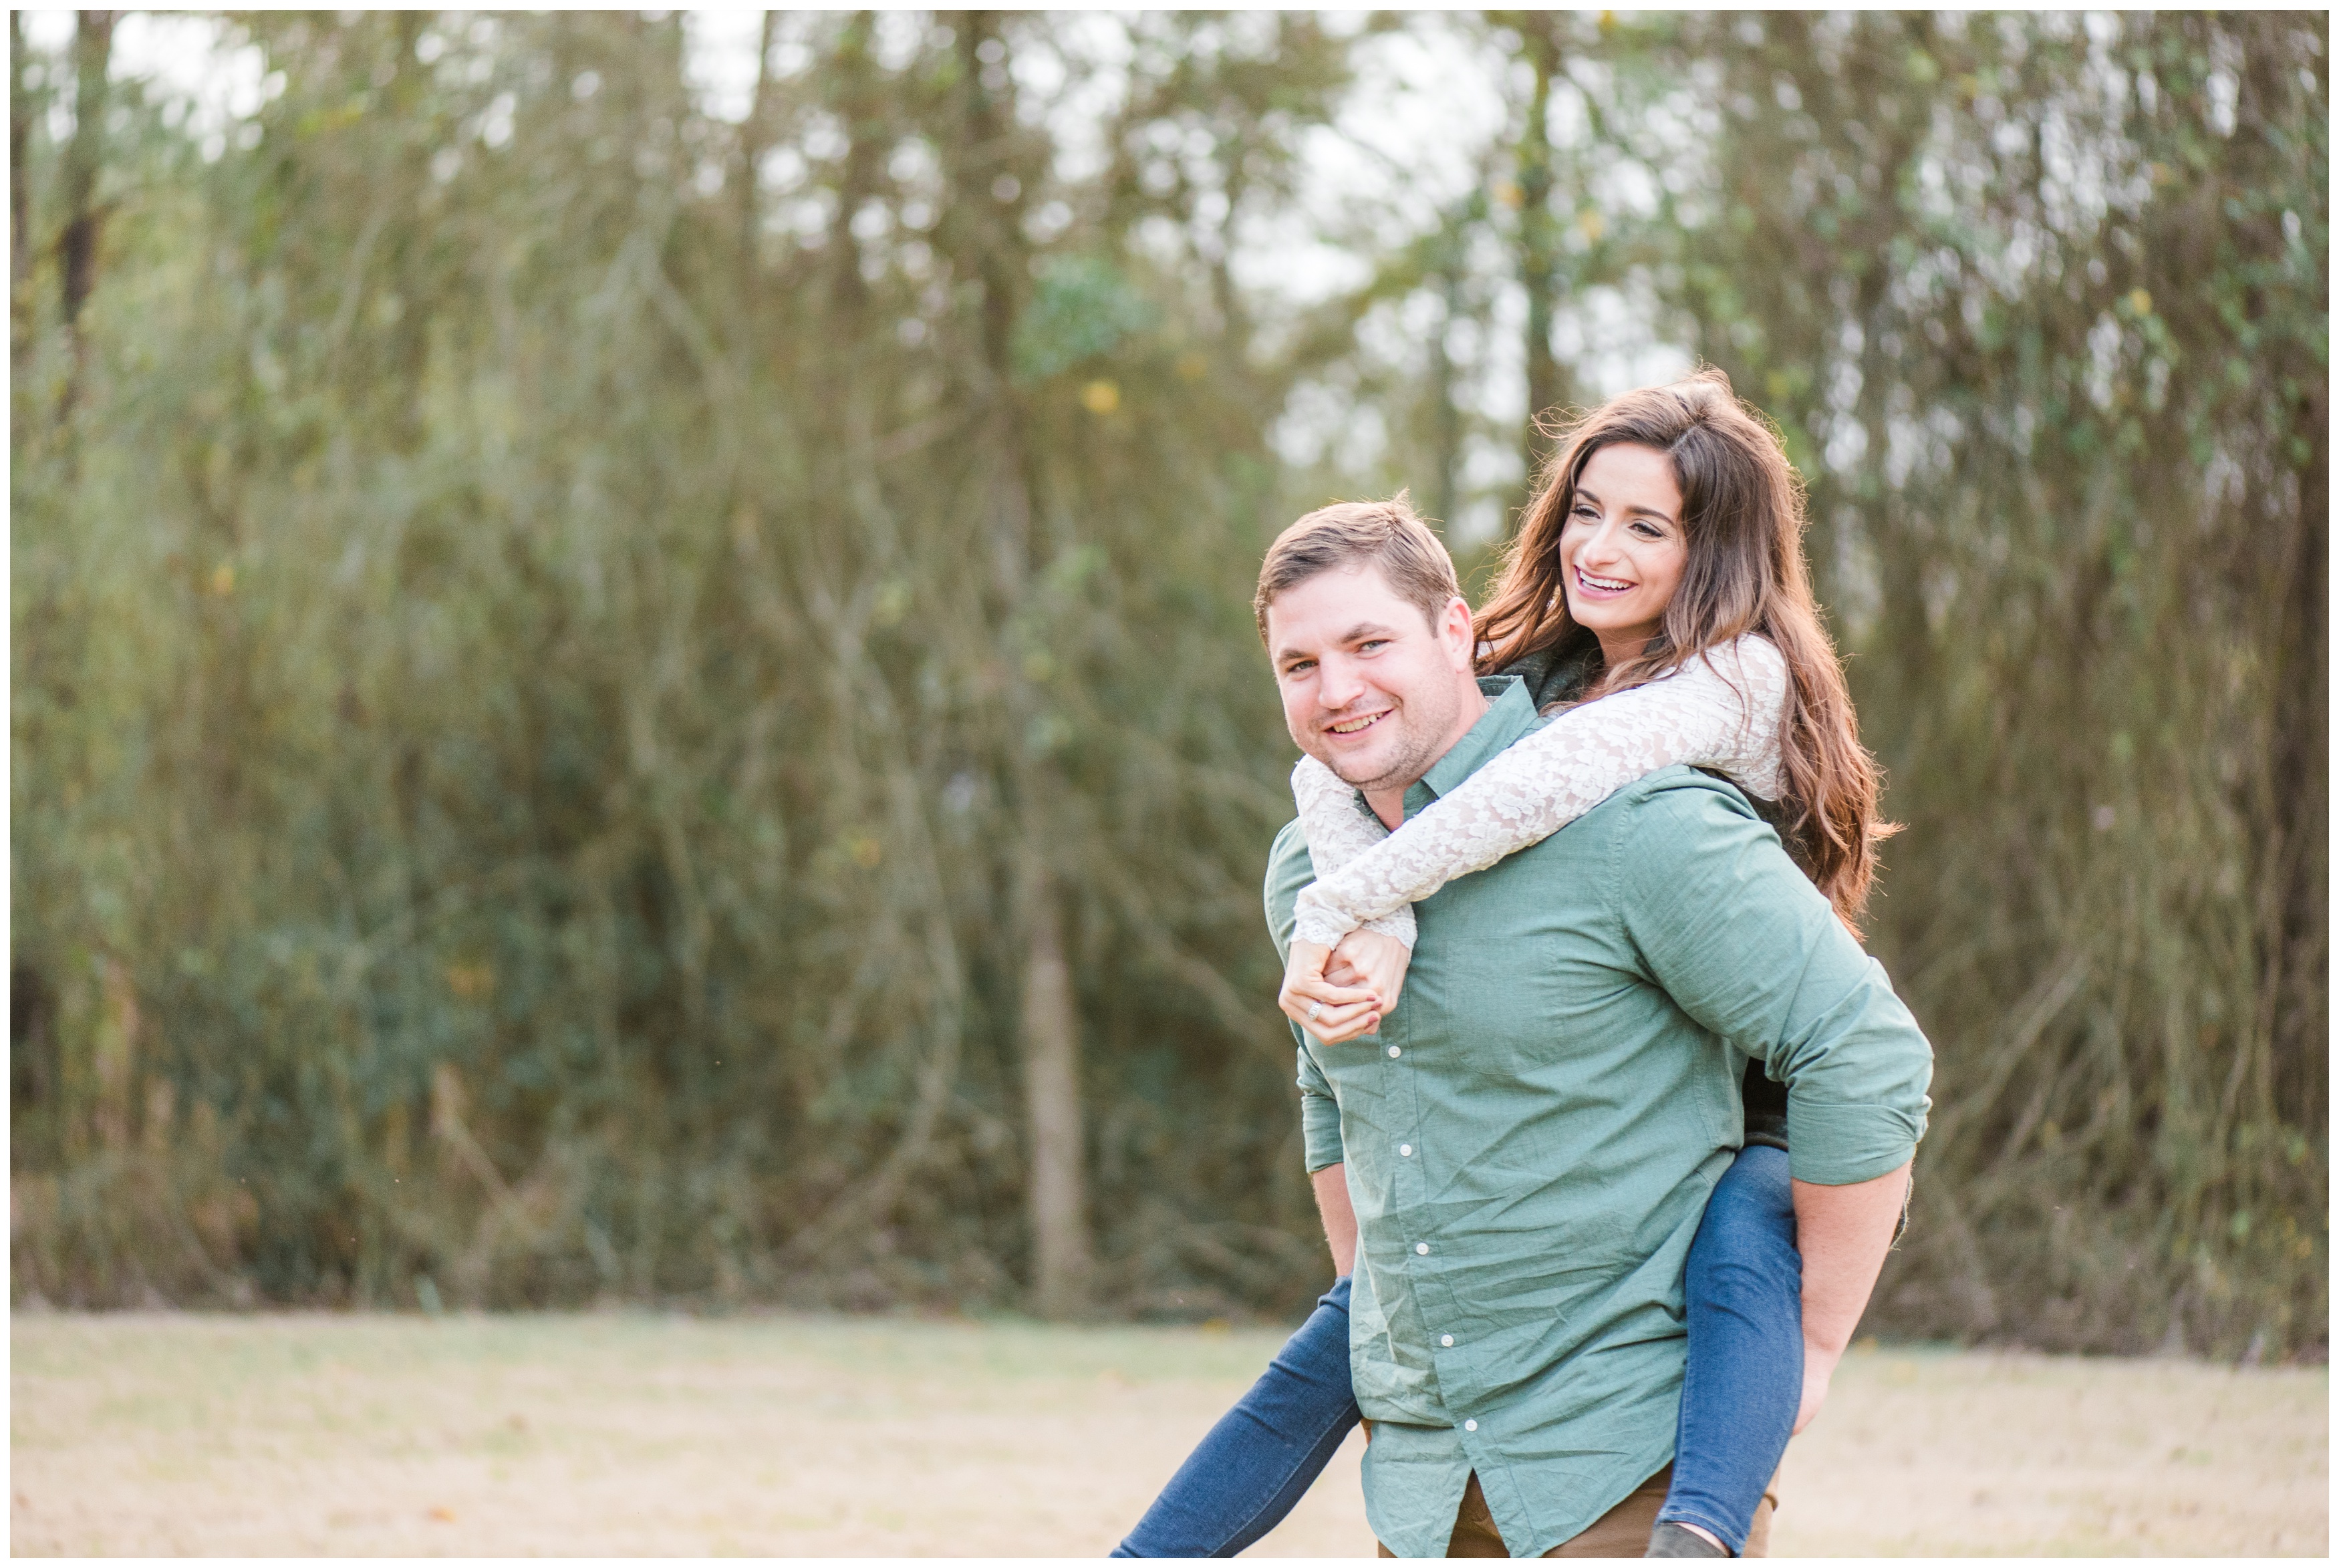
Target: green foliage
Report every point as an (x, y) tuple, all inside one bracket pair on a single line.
[(555, 634), (1081, 310), (521, 733)]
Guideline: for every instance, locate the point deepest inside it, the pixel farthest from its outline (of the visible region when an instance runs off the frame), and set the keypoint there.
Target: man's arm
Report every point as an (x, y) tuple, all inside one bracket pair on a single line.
[(1741, 941), (1738, 938), (1844, 1233), (1289, 868), (1340, 1217)]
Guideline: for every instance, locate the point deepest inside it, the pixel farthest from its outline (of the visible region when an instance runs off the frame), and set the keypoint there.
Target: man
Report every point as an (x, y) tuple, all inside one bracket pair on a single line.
[(1516, 1163)]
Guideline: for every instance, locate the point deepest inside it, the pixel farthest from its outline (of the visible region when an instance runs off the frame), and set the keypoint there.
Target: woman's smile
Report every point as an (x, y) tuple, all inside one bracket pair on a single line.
[(1602, 588)]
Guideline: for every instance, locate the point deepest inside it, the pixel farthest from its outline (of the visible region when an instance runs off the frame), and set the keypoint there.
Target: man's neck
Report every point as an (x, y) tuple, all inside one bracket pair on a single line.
[(1388, 804), (1388, 801)]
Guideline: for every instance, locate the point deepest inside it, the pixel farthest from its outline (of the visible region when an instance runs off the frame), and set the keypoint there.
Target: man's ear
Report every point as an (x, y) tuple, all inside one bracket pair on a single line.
[(1458, 632)]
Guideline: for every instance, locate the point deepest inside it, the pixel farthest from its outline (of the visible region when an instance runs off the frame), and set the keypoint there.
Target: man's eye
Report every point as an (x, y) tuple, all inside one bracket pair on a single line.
[(1301, 669), (1376, 643)]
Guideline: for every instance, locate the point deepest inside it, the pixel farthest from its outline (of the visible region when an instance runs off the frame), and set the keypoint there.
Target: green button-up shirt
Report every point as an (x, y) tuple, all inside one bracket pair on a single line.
[(1531, 1138)]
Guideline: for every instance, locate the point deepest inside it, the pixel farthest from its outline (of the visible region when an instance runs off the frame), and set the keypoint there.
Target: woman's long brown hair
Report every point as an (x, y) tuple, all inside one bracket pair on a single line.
[(1743, 516)]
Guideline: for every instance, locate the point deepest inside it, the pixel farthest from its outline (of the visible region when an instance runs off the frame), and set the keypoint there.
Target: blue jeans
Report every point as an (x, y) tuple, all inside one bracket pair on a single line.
[(1265, 1453), (1740, 1391), (1743, 1381)]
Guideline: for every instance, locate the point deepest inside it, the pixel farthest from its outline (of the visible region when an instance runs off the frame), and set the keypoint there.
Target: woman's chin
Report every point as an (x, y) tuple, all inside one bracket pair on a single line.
[(1614, 626), (1600, 616)]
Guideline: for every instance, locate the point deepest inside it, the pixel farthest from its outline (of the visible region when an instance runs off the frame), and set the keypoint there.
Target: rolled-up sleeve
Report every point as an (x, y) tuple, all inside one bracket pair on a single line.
[(1320, 1116), (1742, 942)]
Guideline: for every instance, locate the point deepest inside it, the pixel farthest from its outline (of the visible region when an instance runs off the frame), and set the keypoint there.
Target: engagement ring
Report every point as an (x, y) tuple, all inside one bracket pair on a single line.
[(1313, 1009)]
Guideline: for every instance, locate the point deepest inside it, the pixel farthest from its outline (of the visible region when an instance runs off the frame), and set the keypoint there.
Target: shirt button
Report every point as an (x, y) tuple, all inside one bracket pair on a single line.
[(1447, 1340), (1405, 1150), (1422, 1247), (1469, 1426), (1395, 1052)]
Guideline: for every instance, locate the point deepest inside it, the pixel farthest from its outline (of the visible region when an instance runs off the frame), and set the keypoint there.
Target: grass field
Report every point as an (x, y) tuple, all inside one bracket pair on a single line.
[(635, 1434)]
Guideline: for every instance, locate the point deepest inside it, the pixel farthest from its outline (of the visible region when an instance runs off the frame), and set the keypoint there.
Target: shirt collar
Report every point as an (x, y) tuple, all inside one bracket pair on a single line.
[(1510, 714)]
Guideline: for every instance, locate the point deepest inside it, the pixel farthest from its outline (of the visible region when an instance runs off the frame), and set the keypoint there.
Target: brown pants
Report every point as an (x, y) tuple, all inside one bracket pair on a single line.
[(1622, 1532)]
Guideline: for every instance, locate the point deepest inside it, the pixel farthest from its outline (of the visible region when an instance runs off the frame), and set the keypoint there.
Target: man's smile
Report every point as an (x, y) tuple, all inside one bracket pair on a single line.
[(1359, 725)]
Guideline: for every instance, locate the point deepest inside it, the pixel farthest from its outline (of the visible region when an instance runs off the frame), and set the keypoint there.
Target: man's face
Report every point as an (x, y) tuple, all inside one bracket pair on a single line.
[(1370, 689)]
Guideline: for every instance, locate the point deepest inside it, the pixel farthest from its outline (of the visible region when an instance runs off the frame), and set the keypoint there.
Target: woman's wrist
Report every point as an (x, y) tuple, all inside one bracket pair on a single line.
[(1313, 922)]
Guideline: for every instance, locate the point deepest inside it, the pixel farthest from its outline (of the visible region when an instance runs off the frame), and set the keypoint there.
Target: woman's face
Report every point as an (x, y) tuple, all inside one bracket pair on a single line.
[(1621, 548)]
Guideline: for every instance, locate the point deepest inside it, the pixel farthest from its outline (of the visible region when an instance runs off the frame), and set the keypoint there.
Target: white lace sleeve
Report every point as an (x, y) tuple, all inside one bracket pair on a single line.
[(1338, 833), (1722, 711)]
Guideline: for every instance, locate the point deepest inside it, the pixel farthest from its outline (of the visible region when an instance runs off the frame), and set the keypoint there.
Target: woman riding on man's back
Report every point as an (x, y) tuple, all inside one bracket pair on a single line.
[(1657, 600)]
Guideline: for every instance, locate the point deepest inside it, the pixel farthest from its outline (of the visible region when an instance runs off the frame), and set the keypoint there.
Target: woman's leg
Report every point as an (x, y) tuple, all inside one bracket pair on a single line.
[(1745, 1380), (1265, 1453)]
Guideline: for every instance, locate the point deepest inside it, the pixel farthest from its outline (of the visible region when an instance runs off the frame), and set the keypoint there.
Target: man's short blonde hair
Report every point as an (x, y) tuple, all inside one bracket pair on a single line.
[(1347, 533)]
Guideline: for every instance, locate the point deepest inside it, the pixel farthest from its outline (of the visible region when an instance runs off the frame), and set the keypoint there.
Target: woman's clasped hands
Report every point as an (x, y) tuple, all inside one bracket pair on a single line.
[(1341, 993)]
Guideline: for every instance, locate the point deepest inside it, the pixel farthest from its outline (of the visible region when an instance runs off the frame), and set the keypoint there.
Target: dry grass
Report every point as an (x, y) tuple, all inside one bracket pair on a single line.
[(628, 1434)]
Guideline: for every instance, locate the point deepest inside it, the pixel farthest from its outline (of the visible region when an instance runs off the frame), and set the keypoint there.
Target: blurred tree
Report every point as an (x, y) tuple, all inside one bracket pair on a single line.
[(21, 106), (614, 702), (621, 807), (84, 153), (1539, 35)]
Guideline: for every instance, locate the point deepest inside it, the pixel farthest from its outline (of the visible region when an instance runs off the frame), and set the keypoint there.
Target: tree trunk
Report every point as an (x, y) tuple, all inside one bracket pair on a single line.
[(1052, 1098), (1538, 243), (20, 189), (857, 104), (754, 140), (1441, 381), (77, 246), (991, 211)]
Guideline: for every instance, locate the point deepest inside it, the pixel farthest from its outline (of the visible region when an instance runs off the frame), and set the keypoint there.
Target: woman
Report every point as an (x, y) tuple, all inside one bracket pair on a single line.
[(1658, 589)]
